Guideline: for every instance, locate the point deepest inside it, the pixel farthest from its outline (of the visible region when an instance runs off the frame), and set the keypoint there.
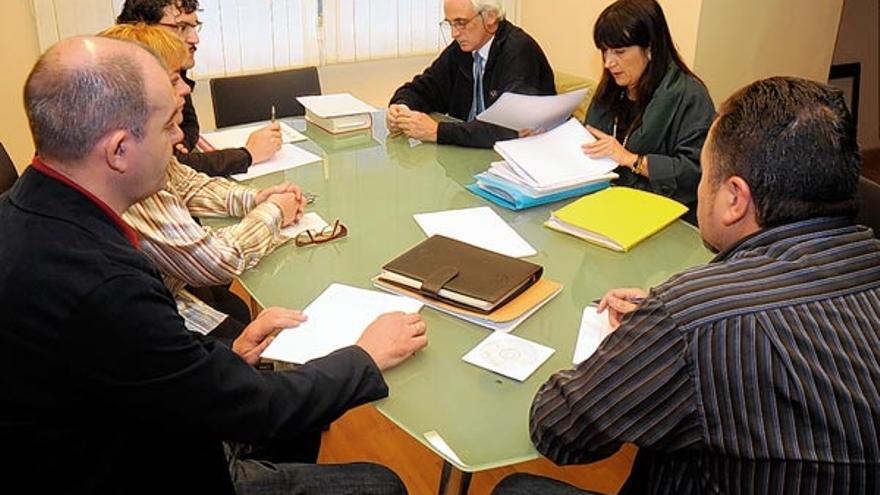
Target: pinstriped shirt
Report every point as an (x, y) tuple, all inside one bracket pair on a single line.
[(191, 254), (771, 352)]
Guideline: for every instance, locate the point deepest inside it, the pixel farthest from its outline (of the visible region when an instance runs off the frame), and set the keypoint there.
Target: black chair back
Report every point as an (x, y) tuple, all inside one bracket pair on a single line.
[(243, 99), (8, 174), (869, 205)]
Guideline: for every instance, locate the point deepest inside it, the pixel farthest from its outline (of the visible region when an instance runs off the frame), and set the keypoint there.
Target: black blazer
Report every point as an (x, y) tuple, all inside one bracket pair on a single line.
[(214, 163), (102, 390), (516, 63)]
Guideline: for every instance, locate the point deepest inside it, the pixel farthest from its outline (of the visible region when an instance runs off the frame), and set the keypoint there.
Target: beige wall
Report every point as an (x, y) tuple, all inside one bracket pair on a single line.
[(859, 41), (727, 43), (569, 44), (20, 50), (744, 40)]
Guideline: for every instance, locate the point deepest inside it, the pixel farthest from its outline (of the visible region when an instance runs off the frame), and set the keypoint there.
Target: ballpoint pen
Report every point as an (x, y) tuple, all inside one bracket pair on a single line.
[(273, 114), (633, 300)]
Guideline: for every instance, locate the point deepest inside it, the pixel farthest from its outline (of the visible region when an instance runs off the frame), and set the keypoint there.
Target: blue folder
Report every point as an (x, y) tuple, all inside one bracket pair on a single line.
[(507, 196)]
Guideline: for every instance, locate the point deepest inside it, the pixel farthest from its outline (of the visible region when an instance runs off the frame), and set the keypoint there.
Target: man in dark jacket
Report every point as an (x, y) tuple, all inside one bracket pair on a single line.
[(102, 389), (181, 17), (490, 56)]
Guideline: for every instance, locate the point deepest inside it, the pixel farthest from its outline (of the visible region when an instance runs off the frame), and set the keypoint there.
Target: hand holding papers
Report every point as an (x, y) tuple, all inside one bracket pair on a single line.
[(519, 112), (336, 319)]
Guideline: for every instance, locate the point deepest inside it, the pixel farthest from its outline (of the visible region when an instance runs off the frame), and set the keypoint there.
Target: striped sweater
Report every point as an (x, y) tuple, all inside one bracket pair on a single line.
[(769, 353)]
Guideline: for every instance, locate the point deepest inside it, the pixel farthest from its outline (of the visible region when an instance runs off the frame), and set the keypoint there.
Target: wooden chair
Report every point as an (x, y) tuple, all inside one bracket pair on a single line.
[(869, 205)]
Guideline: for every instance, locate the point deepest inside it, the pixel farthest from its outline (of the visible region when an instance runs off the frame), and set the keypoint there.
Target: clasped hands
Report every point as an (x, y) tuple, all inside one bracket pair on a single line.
[(416, 125), (288, 197)]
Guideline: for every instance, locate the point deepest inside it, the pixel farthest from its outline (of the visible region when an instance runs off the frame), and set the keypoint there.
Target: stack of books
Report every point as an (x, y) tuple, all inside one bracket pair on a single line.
[(542, 169), (478, 285), (337, 113)]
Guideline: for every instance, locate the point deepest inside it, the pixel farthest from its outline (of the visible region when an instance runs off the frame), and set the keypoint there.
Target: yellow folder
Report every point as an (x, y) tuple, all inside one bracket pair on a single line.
[(617, 217)]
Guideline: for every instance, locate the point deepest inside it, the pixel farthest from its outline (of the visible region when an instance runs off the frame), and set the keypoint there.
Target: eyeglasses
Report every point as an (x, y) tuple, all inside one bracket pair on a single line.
[(459, 24), (183, 27), (311, 237)]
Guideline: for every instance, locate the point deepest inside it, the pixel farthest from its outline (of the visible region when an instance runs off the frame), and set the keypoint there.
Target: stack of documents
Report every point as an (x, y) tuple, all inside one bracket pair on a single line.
[(337, 113), (544, 168), (617, 218)]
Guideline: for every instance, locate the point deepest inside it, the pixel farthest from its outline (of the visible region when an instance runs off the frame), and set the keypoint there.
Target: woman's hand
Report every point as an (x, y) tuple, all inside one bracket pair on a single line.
[(608, 146)]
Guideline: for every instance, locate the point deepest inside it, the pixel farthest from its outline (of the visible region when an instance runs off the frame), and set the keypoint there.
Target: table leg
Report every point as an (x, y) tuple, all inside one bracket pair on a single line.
[(453, 481)]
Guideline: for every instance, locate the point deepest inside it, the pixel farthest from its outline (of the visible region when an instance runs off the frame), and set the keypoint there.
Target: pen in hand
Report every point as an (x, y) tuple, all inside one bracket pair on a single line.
[(273, 114)]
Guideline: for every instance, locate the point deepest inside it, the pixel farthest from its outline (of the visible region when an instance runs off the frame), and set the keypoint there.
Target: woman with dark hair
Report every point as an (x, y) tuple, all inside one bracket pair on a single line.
[(650, 113)]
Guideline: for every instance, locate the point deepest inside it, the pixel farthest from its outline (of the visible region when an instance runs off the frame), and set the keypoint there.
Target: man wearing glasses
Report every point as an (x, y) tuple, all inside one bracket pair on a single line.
[(489, 57), (181, 17)]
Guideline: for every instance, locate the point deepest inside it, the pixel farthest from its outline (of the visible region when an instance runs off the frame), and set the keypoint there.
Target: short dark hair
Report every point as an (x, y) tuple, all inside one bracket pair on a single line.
[(151, 11), (794, 142), (635, 23), (71, 108)]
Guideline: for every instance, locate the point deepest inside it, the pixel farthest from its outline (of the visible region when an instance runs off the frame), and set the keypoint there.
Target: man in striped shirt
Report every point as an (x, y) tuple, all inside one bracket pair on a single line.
[(758, 372)]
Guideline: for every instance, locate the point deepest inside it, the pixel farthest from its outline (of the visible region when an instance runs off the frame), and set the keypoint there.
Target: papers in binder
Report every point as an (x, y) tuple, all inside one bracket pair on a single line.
[(617, 217), (554, 158), (237, 137), (518, 112), (594, 328), (480, 227), (329, 328), (289, 156)]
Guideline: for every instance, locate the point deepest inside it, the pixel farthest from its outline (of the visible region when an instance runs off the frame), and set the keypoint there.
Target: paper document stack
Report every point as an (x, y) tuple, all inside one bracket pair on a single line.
[(544, 168), (337, 113)]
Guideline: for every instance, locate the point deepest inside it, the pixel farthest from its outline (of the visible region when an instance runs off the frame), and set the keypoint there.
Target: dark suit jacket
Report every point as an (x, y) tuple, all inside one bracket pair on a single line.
[(516, 64), (102, 390), (214, 163)]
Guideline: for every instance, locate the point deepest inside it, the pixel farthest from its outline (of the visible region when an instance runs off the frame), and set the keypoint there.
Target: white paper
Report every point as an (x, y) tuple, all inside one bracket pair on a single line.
[(237, 137), (554, 157), (509, 355), (594, 328), (480, 227), (309, 221), (337, 318), (518, 112), (289, 156), (441, 446), (335, 105)]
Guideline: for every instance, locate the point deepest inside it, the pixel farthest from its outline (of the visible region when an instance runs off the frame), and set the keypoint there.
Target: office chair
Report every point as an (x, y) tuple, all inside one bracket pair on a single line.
[(243, 99), (869, 205), (8, 174)]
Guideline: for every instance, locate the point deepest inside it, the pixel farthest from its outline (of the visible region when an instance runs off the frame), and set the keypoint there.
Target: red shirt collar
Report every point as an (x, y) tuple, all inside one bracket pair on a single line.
[(126, 229)]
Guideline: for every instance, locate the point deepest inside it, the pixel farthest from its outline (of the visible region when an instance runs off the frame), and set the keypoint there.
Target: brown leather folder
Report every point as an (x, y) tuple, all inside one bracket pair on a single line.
[(461, 274)]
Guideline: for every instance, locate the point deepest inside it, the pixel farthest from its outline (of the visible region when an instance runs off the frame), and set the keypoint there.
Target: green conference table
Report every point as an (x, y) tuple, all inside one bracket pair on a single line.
[(374, 185)]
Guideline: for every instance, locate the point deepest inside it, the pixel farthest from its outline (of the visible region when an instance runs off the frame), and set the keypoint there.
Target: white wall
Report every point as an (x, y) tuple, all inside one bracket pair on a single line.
[(858, 41), (744, 40)]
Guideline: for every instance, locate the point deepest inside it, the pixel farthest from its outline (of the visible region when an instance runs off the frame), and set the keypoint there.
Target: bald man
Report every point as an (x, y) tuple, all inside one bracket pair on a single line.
[(102, 390)]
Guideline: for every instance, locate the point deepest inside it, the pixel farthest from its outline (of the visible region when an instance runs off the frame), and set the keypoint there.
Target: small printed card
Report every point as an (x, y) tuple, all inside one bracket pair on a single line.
[(310, 221), (508, 355)]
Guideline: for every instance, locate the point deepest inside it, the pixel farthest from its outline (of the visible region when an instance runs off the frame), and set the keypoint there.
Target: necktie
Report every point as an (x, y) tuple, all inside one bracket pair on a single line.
[(477, 105)]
